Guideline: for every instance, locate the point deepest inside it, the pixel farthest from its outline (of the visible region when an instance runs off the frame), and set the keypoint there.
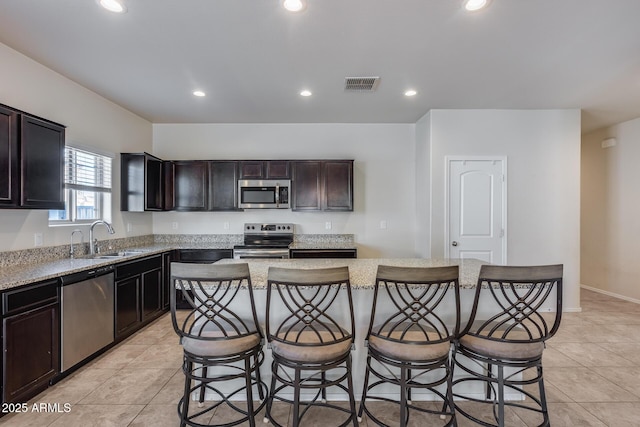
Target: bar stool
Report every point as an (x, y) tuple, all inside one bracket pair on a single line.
[(310, 328), (501, 349), (415, 317), (221, 339)]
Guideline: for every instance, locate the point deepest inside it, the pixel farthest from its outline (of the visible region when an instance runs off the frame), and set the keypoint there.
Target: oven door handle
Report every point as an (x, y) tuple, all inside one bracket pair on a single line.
[(277, 195)]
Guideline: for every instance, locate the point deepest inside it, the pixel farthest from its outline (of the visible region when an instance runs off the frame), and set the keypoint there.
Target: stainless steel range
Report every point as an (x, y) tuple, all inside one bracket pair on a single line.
[(265, 241)]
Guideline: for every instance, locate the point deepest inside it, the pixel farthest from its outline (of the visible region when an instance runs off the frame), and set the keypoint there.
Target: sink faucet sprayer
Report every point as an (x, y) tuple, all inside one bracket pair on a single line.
[(93, 243)]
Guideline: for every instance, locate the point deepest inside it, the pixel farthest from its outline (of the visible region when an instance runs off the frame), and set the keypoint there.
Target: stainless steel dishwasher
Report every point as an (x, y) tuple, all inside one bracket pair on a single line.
[(87, 314)]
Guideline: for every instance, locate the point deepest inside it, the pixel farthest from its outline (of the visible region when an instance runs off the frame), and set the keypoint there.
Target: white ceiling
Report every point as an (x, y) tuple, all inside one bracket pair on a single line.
[(252, 57)]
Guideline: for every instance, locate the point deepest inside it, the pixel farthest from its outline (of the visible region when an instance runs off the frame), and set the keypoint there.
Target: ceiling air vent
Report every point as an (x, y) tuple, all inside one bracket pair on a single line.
[(361, 84)]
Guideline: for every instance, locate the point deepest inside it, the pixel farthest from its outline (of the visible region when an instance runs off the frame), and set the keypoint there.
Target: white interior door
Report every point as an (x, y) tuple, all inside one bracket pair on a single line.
[(476, 217)]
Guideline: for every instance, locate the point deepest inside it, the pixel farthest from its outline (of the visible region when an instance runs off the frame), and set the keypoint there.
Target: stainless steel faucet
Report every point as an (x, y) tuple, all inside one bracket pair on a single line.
[(71, 251), (93, 243)]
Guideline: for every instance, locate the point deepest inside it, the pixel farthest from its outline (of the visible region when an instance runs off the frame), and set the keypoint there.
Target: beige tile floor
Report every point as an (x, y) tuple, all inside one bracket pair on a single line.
[(592, 372)]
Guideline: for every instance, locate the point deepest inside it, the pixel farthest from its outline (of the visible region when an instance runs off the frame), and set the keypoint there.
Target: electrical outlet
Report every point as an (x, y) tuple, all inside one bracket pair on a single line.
[(383, 224), (38, 239), (225, 225), (174, 225), (129, 227), (327, 225)]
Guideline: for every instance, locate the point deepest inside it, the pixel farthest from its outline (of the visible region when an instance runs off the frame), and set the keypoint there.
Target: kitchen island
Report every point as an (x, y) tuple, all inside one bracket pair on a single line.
[(362, 274)]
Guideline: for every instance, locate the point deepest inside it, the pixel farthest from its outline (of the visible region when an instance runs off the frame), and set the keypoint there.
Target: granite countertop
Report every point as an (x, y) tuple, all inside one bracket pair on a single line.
[(37, 271), (362, 271), (13, 277)]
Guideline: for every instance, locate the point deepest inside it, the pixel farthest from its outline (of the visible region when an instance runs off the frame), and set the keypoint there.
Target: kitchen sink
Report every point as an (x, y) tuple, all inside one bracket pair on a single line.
[(119, 254)]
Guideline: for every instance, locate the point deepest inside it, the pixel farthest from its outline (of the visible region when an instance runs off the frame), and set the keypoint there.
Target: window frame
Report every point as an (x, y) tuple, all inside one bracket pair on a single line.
[(103, 193)]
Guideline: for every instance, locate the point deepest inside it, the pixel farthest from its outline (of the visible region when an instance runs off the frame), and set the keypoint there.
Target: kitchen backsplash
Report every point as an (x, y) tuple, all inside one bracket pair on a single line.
[(51, 253), (323, 238)]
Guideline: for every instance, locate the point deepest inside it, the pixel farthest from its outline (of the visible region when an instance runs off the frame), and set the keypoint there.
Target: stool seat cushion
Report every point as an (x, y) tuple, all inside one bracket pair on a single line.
[(219, 347), (504, 350), (408, 351), (311, 346)]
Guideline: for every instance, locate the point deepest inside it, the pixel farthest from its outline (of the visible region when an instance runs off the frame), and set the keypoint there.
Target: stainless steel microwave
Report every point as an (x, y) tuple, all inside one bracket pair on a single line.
[(264, 194)]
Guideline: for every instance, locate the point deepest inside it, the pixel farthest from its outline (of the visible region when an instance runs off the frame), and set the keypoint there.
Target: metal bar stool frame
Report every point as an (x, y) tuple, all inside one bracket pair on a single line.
[(513, 338), (308, 340), (414, 339), (213, 335)]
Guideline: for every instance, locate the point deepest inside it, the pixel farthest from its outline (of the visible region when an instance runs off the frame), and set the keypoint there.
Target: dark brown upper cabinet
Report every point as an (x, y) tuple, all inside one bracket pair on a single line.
[(31, 161), (322, 185), (264, 169), (142, 182), (307, 185), (196, 185), (223, 185), (338, 185), (190, 185), (9, 174)]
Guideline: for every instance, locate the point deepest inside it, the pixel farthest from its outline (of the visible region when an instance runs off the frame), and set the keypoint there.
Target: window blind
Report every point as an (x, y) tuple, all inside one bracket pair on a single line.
[(87, 171)]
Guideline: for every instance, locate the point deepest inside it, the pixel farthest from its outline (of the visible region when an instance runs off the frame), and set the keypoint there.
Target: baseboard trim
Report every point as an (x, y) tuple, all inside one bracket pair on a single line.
[(611, 294)]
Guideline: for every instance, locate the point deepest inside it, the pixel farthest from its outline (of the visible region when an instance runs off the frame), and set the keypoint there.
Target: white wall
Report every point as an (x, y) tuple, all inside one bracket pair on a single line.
[(384, 183), (423, 186), (543, 194), (610, 200), (91, 121)]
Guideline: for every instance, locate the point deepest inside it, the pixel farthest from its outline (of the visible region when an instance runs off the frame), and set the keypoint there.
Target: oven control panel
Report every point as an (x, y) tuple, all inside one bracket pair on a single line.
[(261, 228)]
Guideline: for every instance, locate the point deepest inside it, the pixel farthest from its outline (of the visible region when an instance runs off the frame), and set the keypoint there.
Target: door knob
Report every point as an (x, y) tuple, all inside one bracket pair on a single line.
[(454, 243)]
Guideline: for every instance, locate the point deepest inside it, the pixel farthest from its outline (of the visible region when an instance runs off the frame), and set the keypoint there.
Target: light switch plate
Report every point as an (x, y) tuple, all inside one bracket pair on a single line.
[(327, 225)]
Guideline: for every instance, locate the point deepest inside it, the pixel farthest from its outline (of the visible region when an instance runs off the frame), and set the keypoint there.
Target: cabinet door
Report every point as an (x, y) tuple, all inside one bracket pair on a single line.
[(223, 185), (307, 190), (166, 279), (132, 178), (153, 184), (278, 169), (31, 352), (42, 164), (252, 169), (8, 157), (151, 293), (127, 305), (141, 182), (338, 185), (190, 185)]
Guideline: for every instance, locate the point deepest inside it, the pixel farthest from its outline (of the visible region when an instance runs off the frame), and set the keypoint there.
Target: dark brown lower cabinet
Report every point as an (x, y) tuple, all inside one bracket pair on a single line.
[(151, 293), (197, 256), (30, 340), (139, 288), (324, 253), (127, 305)]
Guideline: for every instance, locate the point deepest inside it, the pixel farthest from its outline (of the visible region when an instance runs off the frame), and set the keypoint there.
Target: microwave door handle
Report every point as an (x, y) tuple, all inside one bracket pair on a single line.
[(277, 195)]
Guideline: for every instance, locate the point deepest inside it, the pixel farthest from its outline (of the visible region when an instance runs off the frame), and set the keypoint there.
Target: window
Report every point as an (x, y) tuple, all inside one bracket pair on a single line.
[(87, 188)]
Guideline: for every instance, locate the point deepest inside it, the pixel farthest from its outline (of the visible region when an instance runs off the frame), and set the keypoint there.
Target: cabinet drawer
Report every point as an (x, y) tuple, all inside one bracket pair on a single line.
[(324, 253), (138, 266), (203, 256), (23, 299)]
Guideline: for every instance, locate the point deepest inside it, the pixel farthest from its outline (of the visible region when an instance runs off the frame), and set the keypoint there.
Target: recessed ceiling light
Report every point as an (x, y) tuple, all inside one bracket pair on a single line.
[(199, 93), (473, 5), (116, 6), (306, 93), (410, 92), (293, 5)]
